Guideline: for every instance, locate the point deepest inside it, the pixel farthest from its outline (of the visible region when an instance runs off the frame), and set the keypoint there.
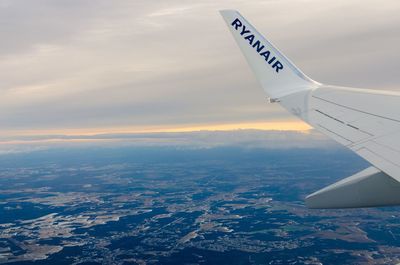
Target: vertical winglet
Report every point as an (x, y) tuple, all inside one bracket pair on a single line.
[(277, 75)]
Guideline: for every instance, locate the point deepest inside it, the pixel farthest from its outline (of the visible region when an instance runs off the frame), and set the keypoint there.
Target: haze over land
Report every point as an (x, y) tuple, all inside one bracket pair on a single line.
[(182, 140), (199, 198)]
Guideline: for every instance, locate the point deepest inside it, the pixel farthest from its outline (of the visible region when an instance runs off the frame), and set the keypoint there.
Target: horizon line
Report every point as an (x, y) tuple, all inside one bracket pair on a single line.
[(82, 135), (266, 126)]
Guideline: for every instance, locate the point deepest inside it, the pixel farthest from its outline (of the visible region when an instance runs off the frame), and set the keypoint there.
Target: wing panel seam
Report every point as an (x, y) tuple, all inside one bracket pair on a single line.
[(361, 111), (344, 123), (323, 127)]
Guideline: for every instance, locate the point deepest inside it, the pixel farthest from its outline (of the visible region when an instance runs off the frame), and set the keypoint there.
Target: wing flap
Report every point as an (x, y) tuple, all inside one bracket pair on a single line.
[(368, 188)]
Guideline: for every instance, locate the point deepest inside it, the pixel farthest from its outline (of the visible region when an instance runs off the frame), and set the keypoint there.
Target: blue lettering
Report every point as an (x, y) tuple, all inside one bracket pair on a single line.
[(236, 23), (244, 30), (259, 47), (266, 55), (272, 59), (278, 66), (250, 38)]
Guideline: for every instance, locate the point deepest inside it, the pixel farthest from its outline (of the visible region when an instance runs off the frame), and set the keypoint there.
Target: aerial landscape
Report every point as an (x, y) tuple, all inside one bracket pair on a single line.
[(229, 204), (193, 132)]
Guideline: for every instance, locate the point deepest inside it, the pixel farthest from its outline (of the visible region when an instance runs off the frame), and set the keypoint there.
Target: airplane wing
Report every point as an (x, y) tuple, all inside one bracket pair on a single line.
[(365, 121)]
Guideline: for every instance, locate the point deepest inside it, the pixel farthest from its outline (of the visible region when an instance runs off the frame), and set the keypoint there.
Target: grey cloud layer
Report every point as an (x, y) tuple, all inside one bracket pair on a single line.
[(201, 139), (71, 64)]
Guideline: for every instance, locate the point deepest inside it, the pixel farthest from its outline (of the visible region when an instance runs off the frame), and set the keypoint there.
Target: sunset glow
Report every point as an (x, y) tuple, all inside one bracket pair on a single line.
[(268, 126)]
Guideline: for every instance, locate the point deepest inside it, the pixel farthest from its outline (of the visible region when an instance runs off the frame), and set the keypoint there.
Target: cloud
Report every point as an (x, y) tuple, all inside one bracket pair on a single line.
[(186, 140), (89, 64)]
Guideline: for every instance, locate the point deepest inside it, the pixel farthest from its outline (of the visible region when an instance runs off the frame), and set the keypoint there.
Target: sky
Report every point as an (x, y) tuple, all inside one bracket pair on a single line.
[(86, 67)]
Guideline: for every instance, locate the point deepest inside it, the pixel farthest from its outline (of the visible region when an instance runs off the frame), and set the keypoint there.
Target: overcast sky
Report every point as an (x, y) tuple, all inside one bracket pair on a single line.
[(84, 64)]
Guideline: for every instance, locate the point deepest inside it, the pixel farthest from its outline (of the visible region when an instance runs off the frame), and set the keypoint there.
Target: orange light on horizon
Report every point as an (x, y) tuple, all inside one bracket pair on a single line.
[(267, 126)]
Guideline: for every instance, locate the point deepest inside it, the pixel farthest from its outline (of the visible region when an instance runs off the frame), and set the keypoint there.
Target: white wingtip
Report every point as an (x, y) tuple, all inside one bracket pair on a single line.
[(276, 73)]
